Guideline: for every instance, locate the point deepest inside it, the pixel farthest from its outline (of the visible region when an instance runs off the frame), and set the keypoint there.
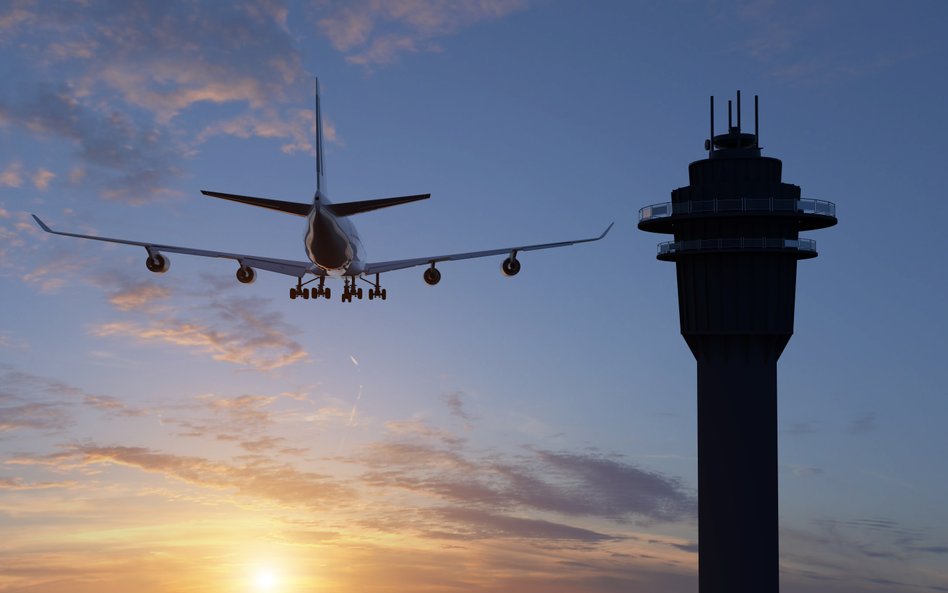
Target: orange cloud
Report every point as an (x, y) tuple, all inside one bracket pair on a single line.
[(246, 334), (138, 296)]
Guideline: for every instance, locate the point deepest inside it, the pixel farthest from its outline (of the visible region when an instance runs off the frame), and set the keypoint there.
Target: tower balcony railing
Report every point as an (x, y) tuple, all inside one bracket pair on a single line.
[(666, 209), (750, 243)]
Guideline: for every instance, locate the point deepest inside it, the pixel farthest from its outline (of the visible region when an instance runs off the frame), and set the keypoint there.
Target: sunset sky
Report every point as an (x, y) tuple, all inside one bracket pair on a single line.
[(183, 432)]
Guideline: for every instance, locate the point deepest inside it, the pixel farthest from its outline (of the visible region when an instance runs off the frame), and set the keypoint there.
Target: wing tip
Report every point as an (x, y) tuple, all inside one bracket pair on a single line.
[(42, 224), (606, 232)]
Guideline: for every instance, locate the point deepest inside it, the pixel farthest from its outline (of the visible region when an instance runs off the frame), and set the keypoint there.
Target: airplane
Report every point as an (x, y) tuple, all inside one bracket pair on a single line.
[(332, 244)]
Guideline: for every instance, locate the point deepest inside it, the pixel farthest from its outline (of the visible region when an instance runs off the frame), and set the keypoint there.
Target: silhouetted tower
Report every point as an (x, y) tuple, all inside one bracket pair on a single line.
[(736, 228)]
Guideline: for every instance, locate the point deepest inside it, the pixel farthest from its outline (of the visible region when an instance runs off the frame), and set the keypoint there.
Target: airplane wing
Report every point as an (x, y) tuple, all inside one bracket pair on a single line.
[(281, 266), (379, 267)]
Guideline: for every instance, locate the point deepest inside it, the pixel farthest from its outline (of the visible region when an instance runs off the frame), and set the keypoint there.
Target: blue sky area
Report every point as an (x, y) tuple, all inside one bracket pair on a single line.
[(185, 432)]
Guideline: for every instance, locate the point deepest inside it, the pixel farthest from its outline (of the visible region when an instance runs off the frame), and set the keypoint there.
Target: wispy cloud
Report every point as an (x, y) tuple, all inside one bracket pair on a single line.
[(861, 552), (795, 43), (243, 332), (138, 296), (570, 484), (270, 480), (377, 32), (456, 406), (12, 175), (126, 79), (296, 127), (35, 416), (142, 158), (33, 402)]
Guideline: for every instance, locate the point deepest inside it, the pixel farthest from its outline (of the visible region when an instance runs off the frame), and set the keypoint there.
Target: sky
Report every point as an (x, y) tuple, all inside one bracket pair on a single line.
[(184, 432)]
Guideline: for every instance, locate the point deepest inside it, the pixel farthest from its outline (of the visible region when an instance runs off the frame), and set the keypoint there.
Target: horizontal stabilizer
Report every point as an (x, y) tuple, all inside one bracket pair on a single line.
[(288, 207), (350, 208)]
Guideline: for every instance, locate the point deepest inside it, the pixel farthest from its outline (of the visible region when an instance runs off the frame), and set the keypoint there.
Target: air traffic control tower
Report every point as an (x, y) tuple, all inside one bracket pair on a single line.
[(736, 244)]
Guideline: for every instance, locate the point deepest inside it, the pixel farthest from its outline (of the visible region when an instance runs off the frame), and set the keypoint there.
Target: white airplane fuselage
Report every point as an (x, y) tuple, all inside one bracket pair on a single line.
[(332, 243)]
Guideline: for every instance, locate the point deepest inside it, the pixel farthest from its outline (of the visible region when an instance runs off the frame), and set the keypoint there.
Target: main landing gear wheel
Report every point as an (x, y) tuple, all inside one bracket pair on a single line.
[(377, 292), (350, 290)]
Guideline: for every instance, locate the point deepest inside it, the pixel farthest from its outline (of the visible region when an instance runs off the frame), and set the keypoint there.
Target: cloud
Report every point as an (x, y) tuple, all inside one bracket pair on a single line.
[(260, 478), (34, 416), (138, 296), (41, 178), (122, 83), (56, 273), (570, 484), (12, 176), (45, 404), (142, 158), (479, 524), (243, 332), (297, 127), (244, 413), (456, 406), (374, 32), (18, 484)]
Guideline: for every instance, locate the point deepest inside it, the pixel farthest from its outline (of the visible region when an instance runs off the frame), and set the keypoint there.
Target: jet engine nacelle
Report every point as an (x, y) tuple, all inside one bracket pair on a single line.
[(432, 276), (510, 266), (158, 263), (246, 275)]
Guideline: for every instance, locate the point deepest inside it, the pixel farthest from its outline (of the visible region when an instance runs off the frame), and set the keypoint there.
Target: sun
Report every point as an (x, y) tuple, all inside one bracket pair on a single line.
[(266, 580)]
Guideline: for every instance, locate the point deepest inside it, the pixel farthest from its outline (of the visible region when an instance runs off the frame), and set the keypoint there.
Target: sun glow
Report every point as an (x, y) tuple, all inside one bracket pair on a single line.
[(266, 580)]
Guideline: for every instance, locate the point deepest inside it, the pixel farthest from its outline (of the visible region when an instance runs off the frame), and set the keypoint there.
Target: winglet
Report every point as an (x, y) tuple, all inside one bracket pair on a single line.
[(605, 232), (42, 224)]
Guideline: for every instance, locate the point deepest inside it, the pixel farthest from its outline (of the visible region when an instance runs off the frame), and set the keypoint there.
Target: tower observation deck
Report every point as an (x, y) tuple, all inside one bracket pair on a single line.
[(736, 244)]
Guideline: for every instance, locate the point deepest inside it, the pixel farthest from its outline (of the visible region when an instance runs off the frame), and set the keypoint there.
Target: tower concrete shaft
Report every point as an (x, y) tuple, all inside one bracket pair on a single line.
[(736, 246)]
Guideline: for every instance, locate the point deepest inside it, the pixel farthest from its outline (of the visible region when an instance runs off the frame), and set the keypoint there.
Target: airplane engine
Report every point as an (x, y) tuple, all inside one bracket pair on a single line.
[(158, 263), (246, 275), (510, 266), (432, 276)]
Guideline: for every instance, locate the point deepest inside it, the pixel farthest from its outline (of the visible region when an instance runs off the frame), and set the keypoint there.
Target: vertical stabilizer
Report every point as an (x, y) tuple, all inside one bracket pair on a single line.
[(320, 163)]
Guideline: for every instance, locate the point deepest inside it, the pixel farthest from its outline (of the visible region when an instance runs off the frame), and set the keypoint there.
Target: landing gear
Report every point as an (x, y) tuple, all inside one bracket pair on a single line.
[(377, 291), (322, 290), (299, 291), (350, 290)]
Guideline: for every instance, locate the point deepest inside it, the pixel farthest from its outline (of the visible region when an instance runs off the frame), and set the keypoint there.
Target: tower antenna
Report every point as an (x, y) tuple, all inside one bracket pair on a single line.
[(756, 132), (711, 140), (730, 124), (738, 110)]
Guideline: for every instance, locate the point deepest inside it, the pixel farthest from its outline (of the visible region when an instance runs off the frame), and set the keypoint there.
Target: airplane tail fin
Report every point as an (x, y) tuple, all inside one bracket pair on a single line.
[(320, 164), (350, 208)]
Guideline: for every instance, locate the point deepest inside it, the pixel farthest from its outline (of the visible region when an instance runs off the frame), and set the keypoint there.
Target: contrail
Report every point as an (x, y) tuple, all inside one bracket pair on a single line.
[(355, 404)]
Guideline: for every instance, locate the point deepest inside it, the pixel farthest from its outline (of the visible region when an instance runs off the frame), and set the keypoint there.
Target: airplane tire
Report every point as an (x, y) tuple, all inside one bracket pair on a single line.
[(305, 293), (383, 294), (359, 294), (327, 293)]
